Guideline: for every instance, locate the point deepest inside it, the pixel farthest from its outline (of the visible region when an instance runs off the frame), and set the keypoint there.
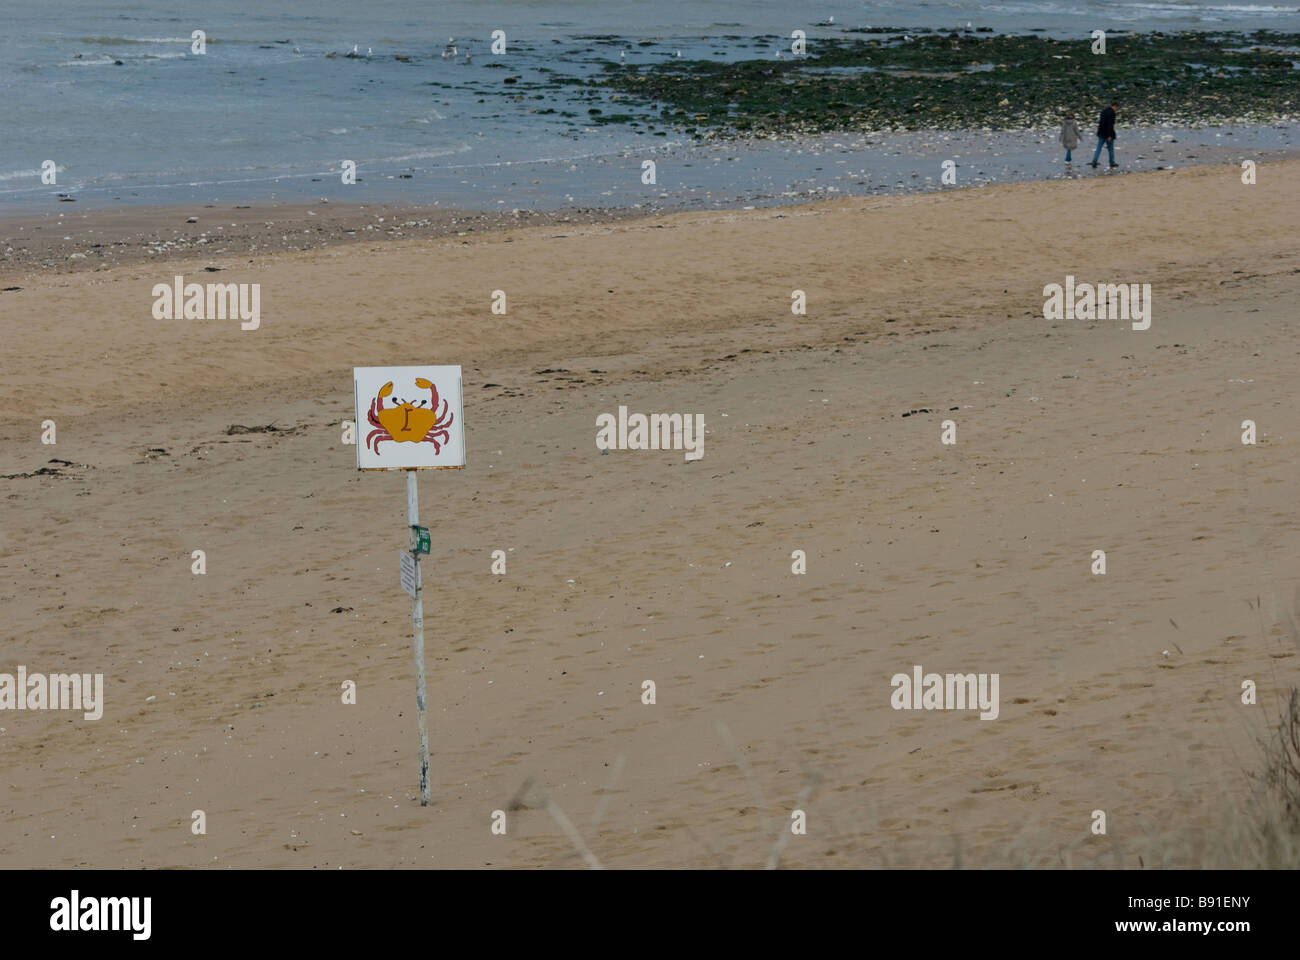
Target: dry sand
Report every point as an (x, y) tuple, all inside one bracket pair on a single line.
[(1072, 436)]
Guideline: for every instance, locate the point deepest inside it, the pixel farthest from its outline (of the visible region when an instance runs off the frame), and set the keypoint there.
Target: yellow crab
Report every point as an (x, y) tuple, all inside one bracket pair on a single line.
[(409, 422)]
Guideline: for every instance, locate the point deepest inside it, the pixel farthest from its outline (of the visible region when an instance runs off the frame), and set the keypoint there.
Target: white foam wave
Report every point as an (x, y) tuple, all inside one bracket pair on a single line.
[(102, 61), (137, 40), (1217, 8), (426, 154)]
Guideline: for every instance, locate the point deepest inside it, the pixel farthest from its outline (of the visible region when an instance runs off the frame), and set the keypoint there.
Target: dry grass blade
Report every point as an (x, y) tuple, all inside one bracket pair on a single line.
[(520, 802), (517, 802), (571, 832), (774, 858)]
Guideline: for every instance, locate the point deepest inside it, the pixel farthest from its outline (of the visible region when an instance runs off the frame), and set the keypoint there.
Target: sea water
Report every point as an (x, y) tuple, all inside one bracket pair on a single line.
[(285, 92)]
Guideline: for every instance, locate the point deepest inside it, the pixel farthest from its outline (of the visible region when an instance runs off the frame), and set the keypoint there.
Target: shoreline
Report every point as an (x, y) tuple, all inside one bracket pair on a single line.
[(107, 238), (567, 123), (68, 238)]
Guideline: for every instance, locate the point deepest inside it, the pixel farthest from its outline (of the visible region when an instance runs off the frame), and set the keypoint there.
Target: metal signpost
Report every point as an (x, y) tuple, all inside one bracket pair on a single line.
[(414, 420)]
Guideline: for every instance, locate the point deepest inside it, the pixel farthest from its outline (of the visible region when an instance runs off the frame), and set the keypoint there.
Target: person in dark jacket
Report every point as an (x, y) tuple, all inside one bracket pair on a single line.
[(1106, 134)]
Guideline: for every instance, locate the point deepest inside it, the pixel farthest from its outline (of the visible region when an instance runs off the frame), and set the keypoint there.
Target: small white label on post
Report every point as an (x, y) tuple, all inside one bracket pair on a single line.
[(410, 573)]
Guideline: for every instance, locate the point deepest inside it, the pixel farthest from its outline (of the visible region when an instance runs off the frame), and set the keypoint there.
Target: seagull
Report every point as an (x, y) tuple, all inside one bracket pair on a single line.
[(296, 50), (354, 49), (679, 53), (367, 51), (622, 55)]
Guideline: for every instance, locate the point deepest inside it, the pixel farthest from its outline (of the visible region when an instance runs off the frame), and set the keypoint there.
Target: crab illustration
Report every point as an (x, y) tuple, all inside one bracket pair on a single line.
[(408, 422)]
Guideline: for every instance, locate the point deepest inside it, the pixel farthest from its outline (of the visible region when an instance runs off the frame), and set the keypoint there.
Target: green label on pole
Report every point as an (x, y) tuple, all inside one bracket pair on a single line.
[(420, 539)]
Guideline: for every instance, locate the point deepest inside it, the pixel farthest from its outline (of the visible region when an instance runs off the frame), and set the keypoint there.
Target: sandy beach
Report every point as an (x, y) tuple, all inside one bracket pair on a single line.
[(1119, 692)]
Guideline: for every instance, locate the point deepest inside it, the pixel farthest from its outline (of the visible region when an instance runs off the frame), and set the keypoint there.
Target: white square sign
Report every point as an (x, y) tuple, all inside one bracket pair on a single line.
[(409, 418)]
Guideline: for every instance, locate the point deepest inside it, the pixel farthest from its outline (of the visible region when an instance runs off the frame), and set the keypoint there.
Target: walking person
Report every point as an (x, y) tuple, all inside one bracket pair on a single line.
[(1106, 134), (1069, 135)]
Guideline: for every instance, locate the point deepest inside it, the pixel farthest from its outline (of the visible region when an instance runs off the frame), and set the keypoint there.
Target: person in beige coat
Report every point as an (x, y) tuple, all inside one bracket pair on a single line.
[(1069, 135)]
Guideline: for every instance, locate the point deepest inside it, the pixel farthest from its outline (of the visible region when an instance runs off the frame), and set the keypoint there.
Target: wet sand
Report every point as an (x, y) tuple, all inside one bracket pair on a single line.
[(72, 241)]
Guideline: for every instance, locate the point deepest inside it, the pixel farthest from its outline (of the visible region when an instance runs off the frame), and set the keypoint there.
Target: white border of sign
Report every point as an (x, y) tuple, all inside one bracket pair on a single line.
[(392, 455)]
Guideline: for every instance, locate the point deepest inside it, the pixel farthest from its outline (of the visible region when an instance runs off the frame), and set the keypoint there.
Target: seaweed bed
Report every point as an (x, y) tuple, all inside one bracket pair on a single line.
[(964, 80)]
